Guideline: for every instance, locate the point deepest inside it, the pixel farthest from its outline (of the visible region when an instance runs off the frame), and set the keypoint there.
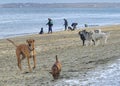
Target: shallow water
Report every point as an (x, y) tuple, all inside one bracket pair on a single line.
[(23, 21), (101, 76)]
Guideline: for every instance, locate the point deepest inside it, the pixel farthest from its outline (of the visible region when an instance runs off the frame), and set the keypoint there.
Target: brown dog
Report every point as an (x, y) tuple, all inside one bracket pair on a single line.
[(56, 69), (25, 50)]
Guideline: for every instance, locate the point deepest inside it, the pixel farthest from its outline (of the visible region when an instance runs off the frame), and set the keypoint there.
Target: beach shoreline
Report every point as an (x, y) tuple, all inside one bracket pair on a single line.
[(78, 28), (76, 59)]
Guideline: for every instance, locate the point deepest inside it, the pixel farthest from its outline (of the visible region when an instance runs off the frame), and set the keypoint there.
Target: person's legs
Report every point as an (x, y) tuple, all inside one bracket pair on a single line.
[(65, 27), (50, 29)]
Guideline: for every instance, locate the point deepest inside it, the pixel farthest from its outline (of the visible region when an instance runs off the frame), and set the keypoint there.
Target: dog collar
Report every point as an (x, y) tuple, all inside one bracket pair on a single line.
[(31, 49)]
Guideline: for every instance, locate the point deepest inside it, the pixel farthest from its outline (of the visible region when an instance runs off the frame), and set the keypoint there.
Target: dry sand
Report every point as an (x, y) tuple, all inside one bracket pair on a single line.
[(76, 59)]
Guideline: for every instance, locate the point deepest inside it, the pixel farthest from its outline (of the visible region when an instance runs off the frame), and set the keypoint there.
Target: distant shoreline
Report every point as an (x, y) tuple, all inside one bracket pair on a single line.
[(27, 34), (61, 5), (30, 34)]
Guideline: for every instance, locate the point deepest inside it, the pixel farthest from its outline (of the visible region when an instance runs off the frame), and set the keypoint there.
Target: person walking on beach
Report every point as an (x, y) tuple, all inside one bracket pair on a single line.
[(50, 24), (65, 24)]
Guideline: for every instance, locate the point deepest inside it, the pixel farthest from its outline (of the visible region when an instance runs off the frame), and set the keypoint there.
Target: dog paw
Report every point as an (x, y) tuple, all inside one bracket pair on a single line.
[(34, 68)]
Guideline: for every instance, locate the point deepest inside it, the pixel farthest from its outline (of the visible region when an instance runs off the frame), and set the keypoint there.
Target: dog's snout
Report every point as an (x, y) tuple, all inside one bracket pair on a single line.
[(29, 44)]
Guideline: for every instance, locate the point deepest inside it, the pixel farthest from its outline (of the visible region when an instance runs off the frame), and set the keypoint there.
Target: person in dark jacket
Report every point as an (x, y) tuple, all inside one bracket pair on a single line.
[(65, 24), (74, 25), (50, 24)]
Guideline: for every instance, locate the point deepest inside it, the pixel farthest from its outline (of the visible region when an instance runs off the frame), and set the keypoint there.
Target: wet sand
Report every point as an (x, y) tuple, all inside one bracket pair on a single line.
[(76, 60)]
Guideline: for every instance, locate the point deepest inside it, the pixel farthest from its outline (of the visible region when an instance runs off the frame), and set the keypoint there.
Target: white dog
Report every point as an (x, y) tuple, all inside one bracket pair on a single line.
[(98, 35), (97, 31)]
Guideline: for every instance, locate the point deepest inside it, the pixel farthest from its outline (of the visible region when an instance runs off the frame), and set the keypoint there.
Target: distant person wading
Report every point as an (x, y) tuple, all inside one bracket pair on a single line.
[(65, 24), (50, 24)]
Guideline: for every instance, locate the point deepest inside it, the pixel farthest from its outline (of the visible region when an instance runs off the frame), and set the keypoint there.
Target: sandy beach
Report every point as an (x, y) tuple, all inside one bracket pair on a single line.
[(75, 58)]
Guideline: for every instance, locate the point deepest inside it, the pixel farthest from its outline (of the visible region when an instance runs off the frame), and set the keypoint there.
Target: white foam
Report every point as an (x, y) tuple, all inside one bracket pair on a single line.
[(107, 76)]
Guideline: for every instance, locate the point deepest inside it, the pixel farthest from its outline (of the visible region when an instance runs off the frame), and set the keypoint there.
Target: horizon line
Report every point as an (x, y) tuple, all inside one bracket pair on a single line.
[(57, 3)]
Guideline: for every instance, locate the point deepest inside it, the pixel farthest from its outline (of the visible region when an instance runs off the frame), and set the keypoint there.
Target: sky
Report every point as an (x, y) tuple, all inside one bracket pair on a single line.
[(54, 1)]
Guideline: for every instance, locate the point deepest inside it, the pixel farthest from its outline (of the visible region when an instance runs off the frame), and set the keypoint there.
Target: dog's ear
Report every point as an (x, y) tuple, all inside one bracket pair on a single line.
[(33, 40)]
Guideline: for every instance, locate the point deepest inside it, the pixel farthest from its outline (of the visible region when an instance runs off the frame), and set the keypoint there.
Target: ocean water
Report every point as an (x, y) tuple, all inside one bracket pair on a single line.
[(23, 21)]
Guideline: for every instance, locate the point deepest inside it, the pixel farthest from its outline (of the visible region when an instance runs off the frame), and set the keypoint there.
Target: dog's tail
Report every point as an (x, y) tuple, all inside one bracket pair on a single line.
[(11, 42), (56, 59)]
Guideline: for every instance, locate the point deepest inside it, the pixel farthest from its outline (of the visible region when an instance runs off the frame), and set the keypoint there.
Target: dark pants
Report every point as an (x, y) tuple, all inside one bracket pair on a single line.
[(50, 29), (65, 27)]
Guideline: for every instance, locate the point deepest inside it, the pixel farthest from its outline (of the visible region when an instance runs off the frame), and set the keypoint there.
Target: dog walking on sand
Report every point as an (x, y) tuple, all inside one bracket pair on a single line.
[(26, 51), (56, 69)]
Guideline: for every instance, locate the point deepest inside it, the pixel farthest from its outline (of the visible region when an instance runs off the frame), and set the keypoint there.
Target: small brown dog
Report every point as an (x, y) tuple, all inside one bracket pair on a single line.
[(56, 69), (26, 51)]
